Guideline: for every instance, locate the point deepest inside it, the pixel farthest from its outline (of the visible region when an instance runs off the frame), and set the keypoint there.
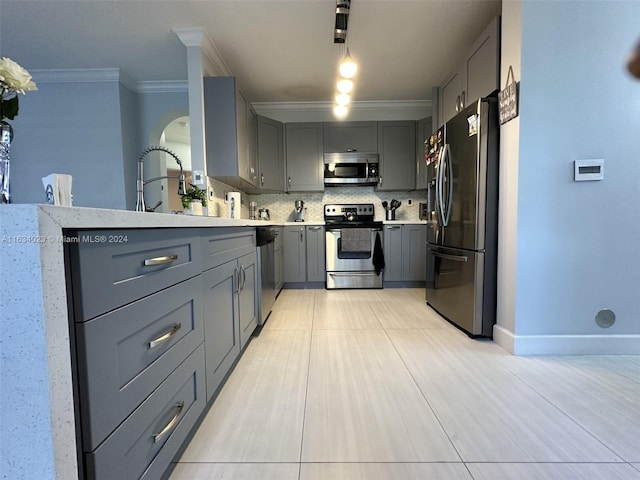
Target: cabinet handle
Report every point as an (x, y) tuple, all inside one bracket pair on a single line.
[(158, 436), (380, 181), (159, 260), (395, 227), (236, 280), (315, 229), (262, 179), (163, 338), (457, 103), (243, 274), (351, 150), (462, 102), (301, 234), (289, 181)]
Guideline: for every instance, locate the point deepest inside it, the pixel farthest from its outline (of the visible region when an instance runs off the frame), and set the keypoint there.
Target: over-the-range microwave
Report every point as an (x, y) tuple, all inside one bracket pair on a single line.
[(351, 168)]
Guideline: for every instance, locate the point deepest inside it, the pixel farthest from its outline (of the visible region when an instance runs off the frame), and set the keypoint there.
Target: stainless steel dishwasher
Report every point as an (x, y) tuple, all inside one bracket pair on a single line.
[(265, 238)]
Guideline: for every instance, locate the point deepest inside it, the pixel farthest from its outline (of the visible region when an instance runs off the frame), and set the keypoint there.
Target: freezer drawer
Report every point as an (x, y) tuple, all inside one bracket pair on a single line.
[(457, 290)]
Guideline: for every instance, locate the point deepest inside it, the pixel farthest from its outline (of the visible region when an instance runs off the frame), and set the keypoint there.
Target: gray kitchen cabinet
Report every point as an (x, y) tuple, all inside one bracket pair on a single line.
[(230, 133), (278, 254), (424, 130), (315, 253), (393, 253), (270, 155), (229, 299), (405, 252), (414, 248), (304, 162), (295, 252), (397, 151), (477, 75), (350, 137), (139, 383)]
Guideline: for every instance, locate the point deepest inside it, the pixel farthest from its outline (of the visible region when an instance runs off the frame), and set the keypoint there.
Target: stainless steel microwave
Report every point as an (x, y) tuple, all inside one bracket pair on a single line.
[(351, 168)]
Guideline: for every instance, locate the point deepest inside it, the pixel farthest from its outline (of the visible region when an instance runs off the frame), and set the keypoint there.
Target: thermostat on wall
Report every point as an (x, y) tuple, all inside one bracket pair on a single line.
[(589, 169)]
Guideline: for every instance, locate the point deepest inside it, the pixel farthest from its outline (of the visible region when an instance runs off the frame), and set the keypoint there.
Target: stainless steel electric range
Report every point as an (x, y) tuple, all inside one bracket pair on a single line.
[(354, 249)]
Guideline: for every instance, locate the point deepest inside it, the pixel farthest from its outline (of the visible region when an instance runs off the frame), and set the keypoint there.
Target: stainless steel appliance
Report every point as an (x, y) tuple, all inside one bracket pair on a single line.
[(351, 168), (299, 211), (354, 254), (265, 239), (462, 238)]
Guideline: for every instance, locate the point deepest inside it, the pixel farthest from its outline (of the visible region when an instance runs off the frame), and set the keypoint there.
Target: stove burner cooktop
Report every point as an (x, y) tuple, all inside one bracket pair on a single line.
[(353, 214)]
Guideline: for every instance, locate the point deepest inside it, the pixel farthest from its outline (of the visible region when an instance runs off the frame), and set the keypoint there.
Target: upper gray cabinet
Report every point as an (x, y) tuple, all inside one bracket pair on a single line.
[(230, 133), (270, 155), (305, 170), (477, 75), (397, 151), (350, 137)]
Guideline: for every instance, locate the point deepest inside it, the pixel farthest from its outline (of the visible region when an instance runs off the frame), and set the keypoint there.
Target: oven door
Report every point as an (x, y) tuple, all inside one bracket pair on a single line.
[(347, 267)]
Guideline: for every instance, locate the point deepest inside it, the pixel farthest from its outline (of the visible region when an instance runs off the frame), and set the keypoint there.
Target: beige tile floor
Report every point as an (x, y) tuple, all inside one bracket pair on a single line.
[(372, 384)]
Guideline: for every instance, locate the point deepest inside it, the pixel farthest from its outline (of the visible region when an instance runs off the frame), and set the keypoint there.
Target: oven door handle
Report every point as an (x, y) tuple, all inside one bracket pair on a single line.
[(352, 274)]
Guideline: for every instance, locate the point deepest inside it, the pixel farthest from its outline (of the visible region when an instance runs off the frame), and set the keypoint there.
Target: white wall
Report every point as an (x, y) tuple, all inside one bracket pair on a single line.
[(576, 242)]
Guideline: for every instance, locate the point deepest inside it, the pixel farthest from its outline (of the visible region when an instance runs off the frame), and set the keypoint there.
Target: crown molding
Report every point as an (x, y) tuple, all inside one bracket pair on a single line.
[(385, 109), (197, 37), (96, 75)]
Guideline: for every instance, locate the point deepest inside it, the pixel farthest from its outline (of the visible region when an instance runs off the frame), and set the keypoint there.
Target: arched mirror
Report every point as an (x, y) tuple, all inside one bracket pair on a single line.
[(177, 139)]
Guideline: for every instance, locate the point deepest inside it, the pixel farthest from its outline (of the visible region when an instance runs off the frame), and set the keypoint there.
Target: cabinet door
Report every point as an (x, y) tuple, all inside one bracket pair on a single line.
[(397, 150), (247, 297), (414, 245), (279, 259), (482, 64), (294, 247), (221, 332), (270, 154), (305, 170), (450, 91), (350, 137), (423, 132), (393, 253), (252, 145), (243, 137), (316, 271)]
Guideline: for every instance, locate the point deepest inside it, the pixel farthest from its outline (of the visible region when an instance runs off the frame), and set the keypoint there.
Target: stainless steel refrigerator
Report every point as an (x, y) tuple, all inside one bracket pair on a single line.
[(462, 232)]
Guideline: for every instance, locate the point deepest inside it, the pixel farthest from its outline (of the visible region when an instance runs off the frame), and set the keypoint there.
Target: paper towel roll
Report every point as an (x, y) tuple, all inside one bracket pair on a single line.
[(57, 188), (234, 209)]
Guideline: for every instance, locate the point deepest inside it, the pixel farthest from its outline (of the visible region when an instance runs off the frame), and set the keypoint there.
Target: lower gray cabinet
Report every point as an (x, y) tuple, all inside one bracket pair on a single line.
[(247, 292), (146, 442), (278, 254), (295, 251), (221, 316), (405, 253), (393, 253), (304, 254), (315, 253)]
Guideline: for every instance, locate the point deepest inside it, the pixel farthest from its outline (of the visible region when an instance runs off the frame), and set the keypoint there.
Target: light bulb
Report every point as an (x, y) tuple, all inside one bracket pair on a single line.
[(343, 99), (348, 67), (340, 111), (345, 85)]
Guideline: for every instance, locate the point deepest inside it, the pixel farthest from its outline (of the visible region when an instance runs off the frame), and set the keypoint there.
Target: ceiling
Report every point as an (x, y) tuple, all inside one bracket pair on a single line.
[(280, 50)]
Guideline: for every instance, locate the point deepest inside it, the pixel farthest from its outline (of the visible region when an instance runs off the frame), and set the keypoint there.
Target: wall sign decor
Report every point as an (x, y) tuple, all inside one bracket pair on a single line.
[(508, 99)]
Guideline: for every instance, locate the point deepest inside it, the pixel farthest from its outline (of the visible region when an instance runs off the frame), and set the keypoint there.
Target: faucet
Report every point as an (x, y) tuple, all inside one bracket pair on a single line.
[(141, 182)]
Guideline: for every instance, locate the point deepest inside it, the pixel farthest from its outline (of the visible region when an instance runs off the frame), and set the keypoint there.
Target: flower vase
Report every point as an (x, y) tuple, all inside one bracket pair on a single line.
[(195, 208), (6, 135)]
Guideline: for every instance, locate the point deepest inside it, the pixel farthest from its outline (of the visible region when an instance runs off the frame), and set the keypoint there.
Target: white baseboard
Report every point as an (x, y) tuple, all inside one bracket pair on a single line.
[(566, 344)]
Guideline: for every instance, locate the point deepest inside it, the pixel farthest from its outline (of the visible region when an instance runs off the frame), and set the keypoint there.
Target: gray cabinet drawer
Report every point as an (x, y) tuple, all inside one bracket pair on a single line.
[(221, 245), (134, 264), (125, 354), (137, 449)]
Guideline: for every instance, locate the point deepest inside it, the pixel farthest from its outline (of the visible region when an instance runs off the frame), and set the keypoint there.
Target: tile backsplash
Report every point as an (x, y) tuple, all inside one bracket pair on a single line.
[(281, 205)]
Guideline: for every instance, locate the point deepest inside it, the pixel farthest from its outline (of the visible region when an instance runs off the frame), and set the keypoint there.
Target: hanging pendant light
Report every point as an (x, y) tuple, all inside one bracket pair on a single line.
[(348, 67), (345, 85)]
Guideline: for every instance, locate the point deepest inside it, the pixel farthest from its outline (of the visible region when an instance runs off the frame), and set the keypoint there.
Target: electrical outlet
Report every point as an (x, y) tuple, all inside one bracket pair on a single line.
[(409, 201)]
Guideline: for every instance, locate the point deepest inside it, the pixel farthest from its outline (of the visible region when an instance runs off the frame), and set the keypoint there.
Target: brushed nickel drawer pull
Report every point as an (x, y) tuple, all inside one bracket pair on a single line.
[(158, 436), (353, 274), (166, 336), (160, 260)]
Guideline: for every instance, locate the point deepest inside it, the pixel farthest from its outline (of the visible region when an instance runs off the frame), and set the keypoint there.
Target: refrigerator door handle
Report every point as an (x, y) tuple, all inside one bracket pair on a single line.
[(446, 256), (449, 170), (439, 180)]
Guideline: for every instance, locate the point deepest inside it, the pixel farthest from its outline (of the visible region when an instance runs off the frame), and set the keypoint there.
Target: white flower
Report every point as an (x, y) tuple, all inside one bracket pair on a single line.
[(14, 78)]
